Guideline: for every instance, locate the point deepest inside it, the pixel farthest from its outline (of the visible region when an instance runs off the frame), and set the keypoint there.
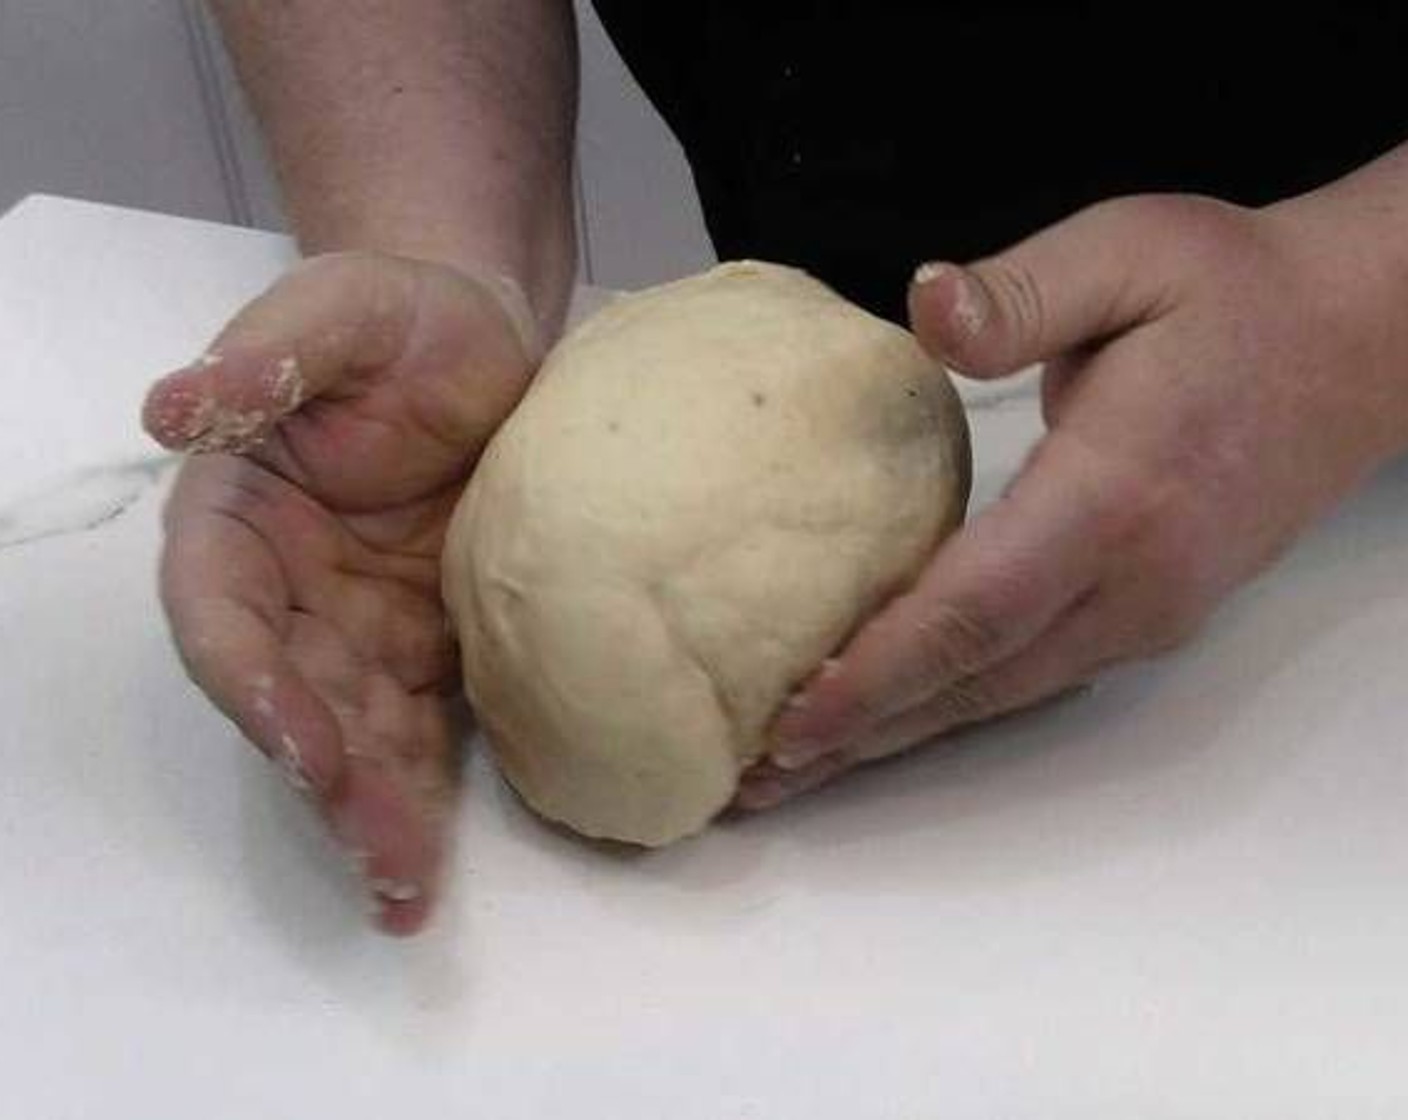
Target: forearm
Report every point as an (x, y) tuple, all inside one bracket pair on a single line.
[(1361, 218), (1352, 234), (438, 129)]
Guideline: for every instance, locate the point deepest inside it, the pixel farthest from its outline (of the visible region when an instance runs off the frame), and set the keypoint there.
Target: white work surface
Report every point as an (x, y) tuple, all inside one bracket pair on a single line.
[(1184, 895)]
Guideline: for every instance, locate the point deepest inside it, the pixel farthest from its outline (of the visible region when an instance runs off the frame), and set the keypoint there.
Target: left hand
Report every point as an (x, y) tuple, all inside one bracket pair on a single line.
[(1216, 378), (336, 422)]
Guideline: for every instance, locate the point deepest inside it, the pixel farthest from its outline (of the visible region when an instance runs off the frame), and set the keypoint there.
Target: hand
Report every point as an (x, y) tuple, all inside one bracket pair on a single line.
[(1215, 379), (336, 419)]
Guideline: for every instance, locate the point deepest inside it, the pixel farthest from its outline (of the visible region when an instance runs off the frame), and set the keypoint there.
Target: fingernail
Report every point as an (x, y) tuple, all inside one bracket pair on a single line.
[(790, 753), (165, 411), (799, 703), (760, 795), (394, 890), (289, 760), (263, 686), (796, 742), (970, 302), (797, 753), (930, 271)]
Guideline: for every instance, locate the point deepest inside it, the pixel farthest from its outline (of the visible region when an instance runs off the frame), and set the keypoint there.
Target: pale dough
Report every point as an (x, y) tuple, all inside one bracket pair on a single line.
[(709, 485)]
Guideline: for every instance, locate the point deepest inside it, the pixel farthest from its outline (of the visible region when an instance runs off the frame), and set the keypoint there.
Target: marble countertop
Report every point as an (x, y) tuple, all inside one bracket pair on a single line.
[(1183, 895)]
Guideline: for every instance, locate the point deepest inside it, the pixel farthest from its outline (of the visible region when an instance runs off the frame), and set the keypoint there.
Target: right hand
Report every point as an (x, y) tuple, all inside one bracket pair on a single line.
[(333, 425)]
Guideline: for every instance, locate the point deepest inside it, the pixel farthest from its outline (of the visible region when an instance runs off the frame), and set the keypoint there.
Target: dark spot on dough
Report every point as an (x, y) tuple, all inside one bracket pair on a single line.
[(398, 89), (912, 391), (614, 425), (759, 399)]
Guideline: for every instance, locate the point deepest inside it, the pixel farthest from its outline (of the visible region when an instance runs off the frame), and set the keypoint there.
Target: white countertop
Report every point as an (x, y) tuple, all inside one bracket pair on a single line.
[(1185, 895)]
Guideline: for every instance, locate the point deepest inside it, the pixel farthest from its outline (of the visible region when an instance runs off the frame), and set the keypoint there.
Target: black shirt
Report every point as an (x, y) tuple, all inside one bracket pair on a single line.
[(856, 139)]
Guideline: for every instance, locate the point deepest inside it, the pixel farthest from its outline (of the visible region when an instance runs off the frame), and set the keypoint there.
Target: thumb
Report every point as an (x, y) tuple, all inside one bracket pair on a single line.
[(325, 319), (318, 332), (1076, 283)]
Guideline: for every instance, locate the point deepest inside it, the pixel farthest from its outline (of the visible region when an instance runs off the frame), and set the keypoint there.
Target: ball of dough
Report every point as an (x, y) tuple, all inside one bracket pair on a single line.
[(708, 486)]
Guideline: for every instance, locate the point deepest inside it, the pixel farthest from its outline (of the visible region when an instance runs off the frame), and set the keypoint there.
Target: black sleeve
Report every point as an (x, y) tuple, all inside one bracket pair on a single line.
[(856, 139)]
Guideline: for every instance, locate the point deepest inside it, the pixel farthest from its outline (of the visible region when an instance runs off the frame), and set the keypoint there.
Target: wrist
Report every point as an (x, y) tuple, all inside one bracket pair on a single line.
[(530, 275), (1350, 241), (1357, 226), (511, 299)]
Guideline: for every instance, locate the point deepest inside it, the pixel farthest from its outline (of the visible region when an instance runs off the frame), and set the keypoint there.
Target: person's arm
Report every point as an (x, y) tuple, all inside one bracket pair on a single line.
[(435, 129)]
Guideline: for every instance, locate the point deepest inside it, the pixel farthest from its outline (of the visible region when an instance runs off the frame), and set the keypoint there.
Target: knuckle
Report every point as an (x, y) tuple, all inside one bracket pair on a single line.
[(957, 640), (1186, 231), (1138, 513), (1170, 626), (967, 700), (857, 704), (1140, 213), (1166, 564), (1016, 292), (1175, 577)]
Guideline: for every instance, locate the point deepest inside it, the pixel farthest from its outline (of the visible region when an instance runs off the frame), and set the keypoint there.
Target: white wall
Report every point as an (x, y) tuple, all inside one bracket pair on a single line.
[(101, 99), (642, 213), (133, 102)]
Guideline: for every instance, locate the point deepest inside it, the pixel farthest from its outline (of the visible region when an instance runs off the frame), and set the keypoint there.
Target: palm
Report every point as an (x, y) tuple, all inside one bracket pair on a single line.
[(302, 578)]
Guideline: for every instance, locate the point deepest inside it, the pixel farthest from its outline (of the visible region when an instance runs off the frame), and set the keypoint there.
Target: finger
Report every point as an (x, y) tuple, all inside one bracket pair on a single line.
[(390, 810), (1076, 283), (221, 591), (236, 661), (991, 589), (1061, 662), (395, 843), (309, 335), (765, 786)]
